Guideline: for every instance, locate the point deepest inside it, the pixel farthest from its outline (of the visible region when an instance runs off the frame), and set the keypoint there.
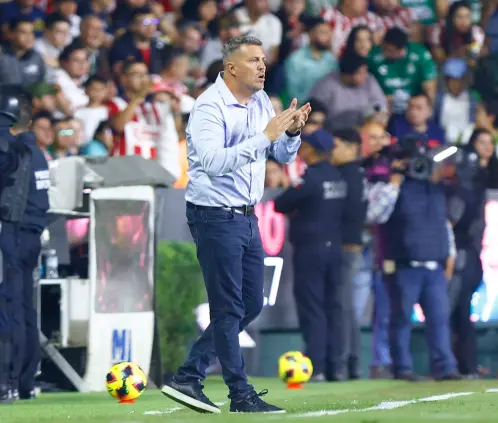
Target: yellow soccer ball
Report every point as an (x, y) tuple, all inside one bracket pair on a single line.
[(294, 367), (126, 381)]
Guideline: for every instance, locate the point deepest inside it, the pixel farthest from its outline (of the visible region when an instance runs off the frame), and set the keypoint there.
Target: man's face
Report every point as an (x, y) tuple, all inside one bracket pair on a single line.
[(358, 78), (136, 78), (258, 7), (294, 7), (419, 110), (343, 152), (97, 92), (321, 36), (375, 138), (43, 132), (248, 67), (65, 135), (145, 26), (392, 52), (93, 32), (47, 103), (68, 8), (60, 34), (77, 65), (24, 36), (357, 7), (191, 40), (305, 152)]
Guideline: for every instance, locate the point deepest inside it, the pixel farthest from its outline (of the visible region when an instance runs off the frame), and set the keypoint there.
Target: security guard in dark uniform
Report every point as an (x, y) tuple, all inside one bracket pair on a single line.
[(26, 339), (13, 169), (315, 209)]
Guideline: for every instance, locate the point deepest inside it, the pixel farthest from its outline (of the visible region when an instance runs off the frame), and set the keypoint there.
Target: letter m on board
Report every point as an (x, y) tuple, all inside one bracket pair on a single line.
[(121, 345)]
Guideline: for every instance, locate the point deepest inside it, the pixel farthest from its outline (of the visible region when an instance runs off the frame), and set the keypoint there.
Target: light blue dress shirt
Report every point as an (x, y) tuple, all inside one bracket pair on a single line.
[(227, 149)]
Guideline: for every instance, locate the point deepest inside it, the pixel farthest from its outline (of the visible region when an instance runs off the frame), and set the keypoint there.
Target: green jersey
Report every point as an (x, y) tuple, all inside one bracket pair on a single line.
[(402, 78), (425, 10)]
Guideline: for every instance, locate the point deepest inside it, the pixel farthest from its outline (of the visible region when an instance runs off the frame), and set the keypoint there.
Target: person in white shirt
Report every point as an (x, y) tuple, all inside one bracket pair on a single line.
[(54, 39)]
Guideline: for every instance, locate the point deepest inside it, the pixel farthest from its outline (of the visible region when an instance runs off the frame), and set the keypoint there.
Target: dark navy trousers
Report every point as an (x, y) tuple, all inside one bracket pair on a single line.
[(318, 289), (231, 256), (25, 334), (406, 287)]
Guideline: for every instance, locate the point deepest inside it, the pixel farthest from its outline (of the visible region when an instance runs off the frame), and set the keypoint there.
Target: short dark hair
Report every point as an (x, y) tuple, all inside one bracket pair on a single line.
[(41, 115), (424, 95), (70, 49), (317, 106), (54, 18), (348, 135), (397, 37), (145, 10), (129, 63), (94, 79), (350, 63), (234, 44), (14, 23), (170, 55)]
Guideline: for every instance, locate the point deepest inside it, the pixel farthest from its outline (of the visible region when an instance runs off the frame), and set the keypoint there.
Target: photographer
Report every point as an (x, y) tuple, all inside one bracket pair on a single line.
[(466, 205), (416, 249)]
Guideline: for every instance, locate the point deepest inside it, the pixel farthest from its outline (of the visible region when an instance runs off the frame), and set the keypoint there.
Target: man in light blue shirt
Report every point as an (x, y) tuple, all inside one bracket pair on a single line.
[(231, 131), (306, 66)]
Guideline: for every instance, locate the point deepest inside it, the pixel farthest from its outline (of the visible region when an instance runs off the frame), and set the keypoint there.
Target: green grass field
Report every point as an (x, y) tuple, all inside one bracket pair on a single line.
[(473, 404)]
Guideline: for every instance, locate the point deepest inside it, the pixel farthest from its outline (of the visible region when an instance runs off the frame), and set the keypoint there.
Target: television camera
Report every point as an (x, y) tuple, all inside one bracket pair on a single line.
[(443, 163)]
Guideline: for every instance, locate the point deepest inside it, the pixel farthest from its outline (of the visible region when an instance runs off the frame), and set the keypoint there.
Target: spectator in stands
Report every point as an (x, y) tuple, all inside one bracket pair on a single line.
[(41, 125), (139, 42), (402, 68), (457, 36), (93, 39), (78, 126), (348, 93), (43, 98), (175, 67), (23, 10), (256, 20), (306, 66), (19, 63), (65, 139), (124, 16), (201, 11), (130, 107), (417, 120), (97, 8), (486, 118), (293, 19), (55, 38), (394, 15), (101, 142), (96, 110), (229, 27), (346, 16), (360, 41), (70, 77), (68, 8), (275, 175), (455, 105)]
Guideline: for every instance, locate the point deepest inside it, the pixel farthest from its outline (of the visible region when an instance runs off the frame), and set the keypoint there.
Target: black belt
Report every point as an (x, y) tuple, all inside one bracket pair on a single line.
[(245, 210)]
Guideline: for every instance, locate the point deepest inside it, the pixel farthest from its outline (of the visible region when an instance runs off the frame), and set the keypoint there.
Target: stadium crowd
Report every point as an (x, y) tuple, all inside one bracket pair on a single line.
[(120, 77)]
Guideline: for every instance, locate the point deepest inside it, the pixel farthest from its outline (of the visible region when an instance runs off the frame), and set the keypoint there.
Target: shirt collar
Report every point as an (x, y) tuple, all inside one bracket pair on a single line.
[(227, 96)]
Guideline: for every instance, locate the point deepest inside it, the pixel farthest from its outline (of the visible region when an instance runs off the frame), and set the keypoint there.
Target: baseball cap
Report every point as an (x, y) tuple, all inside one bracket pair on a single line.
[(42, 89), (455, 68), (320, 140)]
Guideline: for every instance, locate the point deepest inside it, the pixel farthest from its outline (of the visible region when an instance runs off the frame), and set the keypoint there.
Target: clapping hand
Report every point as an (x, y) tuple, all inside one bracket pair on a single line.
[(301, 116)]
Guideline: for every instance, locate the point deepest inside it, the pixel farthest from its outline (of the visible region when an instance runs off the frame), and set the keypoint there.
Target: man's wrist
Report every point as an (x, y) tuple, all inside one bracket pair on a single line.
[(292, 135)]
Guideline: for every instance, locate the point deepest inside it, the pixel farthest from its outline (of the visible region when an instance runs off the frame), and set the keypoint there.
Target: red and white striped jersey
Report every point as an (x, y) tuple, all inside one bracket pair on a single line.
[(437, 32), (147, 113), (402, 18), (342, 25)]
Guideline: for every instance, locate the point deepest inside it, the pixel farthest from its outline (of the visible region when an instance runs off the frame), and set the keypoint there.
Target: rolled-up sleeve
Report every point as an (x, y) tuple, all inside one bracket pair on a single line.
[(207, 132)]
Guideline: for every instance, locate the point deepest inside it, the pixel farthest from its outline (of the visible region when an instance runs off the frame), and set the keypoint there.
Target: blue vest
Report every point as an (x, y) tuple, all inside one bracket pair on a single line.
[(417, 228)]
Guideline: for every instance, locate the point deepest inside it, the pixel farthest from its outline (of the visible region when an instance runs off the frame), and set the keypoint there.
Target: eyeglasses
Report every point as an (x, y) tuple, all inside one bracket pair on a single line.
[(149, 21), (65, 132)]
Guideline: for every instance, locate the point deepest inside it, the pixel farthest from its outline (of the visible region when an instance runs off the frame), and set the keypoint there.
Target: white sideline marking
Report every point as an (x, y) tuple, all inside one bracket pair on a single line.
[(172, 410), (389, 405)]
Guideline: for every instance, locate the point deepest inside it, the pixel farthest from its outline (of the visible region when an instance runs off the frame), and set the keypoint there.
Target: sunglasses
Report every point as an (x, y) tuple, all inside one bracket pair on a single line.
[(149, 21), (66, 132)]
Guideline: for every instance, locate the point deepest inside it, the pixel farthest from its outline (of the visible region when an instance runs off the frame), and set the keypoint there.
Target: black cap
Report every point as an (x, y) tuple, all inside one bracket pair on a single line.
[(12, 98)]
